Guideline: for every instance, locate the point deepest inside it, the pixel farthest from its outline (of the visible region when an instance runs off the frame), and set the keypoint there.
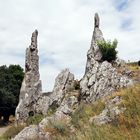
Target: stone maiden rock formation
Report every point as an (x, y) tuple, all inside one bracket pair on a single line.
[(100, 80)]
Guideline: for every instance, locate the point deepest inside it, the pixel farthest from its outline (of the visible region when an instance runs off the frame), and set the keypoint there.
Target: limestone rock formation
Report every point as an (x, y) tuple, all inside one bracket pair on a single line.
[(110, 112), (28, 133), (31, 85), (32, 100), (64, 82), (100, 78), (61, 98)]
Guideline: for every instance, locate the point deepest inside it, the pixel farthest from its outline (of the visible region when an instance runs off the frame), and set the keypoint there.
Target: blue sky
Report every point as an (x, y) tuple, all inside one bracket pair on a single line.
[(65, 30), (121, 4)]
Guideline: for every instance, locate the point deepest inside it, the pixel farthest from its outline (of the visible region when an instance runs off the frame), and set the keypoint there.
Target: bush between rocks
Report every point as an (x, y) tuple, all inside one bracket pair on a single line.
[(108, 50)]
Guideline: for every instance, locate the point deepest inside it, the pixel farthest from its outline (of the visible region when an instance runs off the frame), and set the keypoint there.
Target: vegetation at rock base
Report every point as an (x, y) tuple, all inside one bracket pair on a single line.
[(58, 127), (10, 82), (35, 119), (52, 109), (108, 50), (12, 131), (125, 126)]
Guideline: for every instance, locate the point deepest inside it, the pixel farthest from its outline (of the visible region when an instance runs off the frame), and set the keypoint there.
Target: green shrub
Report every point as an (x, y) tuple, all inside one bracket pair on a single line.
[(36, 119), (108, 50)]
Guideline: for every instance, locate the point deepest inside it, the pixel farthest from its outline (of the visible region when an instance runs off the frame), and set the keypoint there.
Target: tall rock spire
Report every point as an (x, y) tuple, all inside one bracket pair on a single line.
[(32, 50), (32, 60), (94, 51), (100, 78), (31, 85)]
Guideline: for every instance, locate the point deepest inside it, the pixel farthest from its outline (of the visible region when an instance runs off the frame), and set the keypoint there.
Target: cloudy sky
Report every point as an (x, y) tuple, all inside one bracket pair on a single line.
[(65, 29)]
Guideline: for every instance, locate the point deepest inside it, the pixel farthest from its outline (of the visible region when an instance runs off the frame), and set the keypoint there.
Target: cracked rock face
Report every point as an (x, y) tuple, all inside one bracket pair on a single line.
[(31, 99), (100, 78), (64, 83), (31, 85)]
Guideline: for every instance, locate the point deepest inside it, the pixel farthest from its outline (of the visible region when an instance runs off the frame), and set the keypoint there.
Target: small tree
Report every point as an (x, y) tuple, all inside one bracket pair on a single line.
[(10, 82), (108, 50)]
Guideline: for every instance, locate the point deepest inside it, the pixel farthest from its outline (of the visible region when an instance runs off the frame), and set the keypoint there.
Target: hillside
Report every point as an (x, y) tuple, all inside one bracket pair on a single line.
[(124, 126), (104, 104)]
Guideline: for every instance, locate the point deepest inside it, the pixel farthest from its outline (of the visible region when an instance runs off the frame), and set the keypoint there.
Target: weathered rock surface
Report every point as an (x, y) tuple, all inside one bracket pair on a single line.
[(60, 97), (31, 86), (100, 78), (64, 82), (110, 113), (32, 100), (28, 133)]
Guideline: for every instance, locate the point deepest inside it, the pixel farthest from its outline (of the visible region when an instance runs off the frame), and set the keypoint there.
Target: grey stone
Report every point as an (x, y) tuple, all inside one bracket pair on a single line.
[(101, 78), (31, 86), (109, 113), (64, 84), (28, 133), (97, 20)]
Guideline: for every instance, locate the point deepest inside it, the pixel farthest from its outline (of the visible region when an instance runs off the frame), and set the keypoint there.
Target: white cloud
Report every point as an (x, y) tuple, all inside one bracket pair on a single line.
[(65, 31)]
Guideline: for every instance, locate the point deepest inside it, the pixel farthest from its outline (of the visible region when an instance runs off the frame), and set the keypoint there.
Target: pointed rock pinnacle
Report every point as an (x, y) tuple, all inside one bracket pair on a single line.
[(96, 20)]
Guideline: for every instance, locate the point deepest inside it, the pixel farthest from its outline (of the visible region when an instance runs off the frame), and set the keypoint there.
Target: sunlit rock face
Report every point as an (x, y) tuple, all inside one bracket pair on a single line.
[(100, 78)]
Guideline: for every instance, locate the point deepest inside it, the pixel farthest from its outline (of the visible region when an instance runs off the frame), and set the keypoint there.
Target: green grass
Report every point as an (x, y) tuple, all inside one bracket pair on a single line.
[(58, 128), (11, 132), (36, 119)]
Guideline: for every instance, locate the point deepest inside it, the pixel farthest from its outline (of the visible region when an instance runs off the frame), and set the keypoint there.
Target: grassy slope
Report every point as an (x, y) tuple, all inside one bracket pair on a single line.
[(125, 127)]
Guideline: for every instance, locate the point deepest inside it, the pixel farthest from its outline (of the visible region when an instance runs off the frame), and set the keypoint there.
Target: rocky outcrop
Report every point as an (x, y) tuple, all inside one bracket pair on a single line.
[(64, 83), (31, 86), (100, 78), (62, 98), (28, 133), (110, 113)]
